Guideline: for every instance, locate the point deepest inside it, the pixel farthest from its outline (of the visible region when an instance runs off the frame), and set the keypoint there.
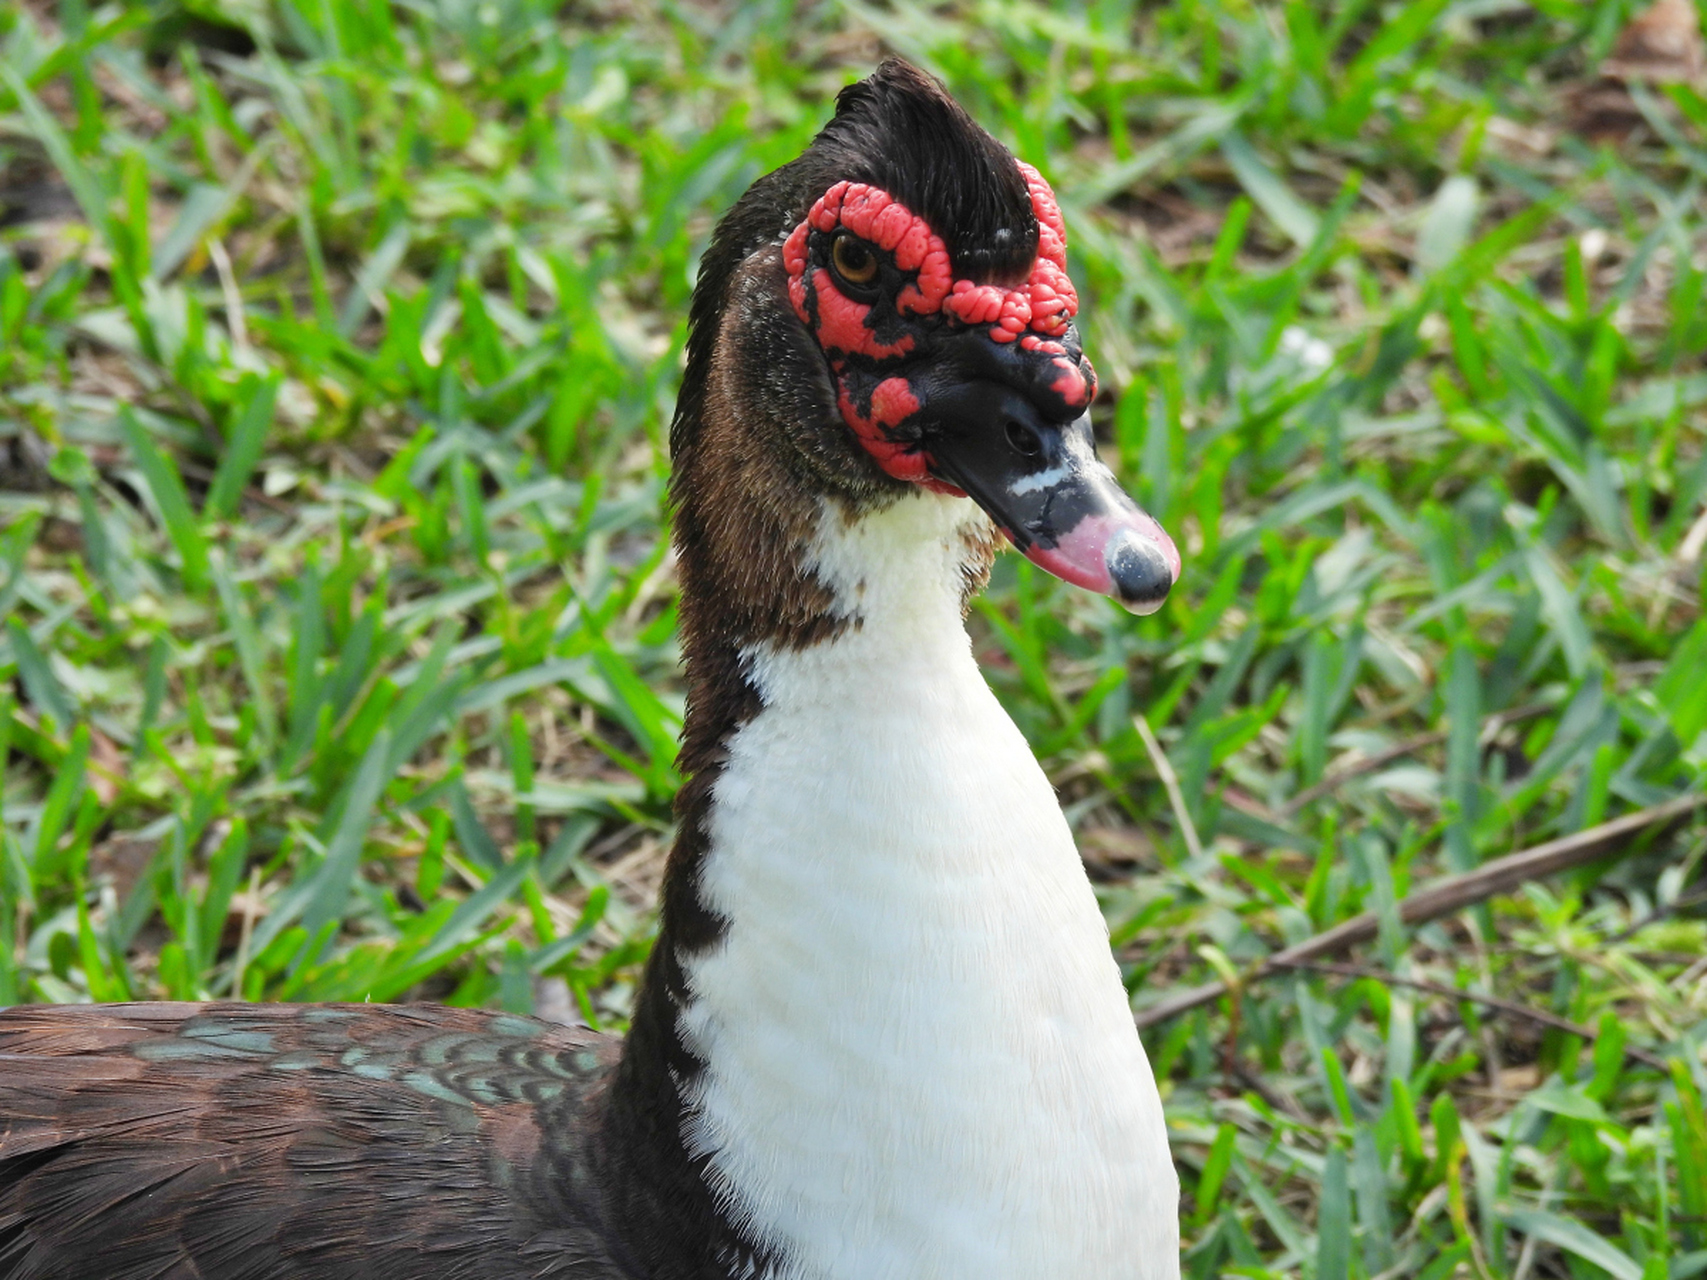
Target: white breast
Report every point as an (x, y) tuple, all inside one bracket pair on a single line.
[(920, 1060)]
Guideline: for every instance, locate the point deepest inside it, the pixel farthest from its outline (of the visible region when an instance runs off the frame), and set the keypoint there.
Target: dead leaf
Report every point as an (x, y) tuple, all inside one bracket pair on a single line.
[(122, 858), (1112, 848), (1520, 1079), (106, 778), (1661, 45)]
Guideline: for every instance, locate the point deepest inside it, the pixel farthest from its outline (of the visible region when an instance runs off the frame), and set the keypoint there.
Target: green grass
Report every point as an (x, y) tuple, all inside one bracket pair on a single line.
[(338, 340)]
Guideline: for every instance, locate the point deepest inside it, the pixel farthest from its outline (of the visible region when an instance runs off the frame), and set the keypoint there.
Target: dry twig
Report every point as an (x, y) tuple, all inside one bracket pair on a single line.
[(1512, 1007), (1446, 896)]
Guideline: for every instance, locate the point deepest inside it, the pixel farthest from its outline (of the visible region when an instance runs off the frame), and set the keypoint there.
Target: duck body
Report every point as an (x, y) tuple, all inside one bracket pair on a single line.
[(881, 1034), (328, 1142)]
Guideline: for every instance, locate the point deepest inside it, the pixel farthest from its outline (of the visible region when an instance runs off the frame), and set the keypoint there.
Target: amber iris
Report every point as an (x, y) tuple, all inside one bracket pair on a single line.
[(854, 260)]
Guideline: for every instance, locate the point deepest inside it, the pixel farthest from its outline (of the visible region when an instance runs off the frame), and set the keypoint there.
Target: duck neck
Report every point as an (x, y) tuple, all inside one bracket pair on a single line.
[(744, 522), (789, 608)]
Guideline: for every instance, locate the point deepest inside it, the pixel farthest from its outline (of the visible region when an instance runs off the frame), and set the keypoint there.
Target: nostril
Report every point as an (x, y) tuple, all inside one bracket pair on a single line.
[(1024, 440)]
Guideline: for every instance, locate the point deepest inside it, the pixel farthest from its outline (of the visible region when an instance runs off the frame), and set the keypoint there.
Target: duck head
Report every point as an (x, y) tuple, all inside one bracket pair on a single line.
[(898, 296)]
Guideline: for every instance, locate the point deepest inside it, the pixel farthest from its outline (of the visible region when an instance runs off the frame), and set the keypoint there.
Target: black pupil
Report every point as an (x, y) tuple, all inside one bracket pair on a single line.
[(856, 258)]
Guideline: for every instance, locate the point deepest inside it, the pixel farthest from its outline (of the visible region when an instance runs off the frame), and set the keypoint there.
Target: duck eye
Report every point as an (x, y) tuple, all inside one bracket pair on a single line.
[(1024, 440), (853, 260)]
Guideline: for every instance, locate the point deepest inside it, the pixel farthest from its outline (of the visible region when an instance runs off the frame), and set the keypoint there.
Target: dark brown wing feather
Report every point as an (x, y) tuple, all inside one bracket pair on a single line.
[(332, 1142)]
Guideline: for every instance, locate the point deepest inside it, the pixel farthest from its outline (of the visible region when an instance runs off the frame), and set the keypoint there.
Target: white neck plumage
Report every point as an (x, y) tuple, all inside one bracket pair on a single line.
[(920, 1061)]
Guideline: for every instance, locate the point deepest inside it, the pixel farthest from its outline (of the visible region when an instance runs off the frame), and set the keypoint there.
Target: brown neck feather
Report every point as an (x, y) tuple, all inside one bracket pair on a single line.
[(745, 509)]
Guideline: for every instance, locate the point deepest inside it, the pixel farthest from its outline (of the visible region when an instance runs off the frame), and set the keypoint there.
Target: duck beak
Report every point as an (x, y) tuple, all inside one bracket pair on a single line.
[(1043, 483)]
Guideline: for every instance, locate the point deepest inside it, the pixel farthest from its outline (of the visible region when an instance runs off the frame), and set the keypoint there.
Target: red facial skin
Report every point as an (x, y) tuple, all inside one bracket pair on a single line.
[(892, 402), (1036, 313)]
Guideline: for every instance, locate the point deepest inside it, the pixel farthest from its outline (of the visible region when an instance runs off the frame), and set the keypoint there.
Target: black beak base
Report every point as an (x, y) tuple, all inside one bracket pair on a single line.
[(1042, 482)]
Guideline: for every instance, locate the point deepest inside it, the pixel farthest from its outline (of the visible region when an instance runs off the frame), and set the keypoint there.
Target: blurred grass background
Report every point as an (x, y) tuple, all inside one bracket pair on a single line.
[(338, 342)]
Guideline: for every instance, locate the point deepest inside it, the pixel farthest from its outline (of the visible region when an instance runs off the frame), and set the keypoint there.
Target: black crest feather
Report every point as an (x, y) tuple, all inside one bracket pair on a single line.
[(899, 130)]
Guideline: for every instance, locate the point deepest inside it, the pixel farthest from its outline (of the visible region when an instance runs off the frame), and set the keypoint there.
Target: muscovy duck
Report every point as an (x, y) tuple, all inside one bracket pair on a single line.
[(881, 1035)]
